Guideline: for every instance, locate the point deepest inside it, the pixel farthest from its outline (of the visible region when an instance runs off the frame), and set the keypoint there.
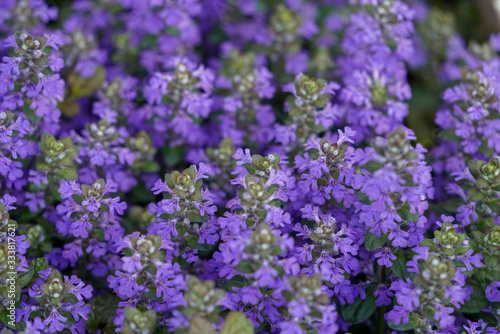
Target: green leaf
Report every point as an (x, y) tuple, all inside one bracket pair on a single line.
[(372, 242), (287, 295), (372, 166), (475, 195), (77, 198), (11, 323), (25, 277), (42, 40), (477, 300), (70, 298), (430, 313), (427, 243), (261, 213), (237, 323), (276, 202), (491, 261), (404, 212), (249, 168), (42, 61), (399, 265), (411, 324), (199, 325), (104, 208), (360, 310), (150, 167), (244, 266), (39, 264), (19, 40), (194, 244), (68, 174), (363, 198), (181, 230), (195, 217), (462, 250), (449, 134), (85, 86), (172, 155), (494, 204), (452, 205), (236, 281), (128, 252), (152, 294), (149, 41), (488, 317), (30, 114)]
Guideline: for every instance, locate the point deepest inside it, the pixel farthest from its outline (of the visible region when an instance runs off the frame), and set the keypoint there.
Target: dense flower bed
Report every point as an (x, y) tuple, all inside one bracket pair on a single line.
[(243, 166)]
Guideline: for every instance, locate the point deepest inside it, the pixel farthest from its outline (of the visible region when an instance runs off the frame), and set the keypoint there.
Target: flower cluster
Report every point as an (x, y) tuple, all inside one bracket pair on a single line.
[(311, 111), (396, 184), (59, 302), (13, 145), (247, 81), (13, 248), (31, 81), (89, 215), (148, 279), (185, 213), (178, 98), (428, 299)]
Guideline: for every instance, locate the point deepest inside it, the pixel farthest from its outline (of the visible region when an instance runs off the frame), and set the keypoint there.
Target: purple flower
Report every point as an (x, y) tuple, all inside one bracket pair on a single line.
[(298, 308), (115, 204), (35, 201), (443, 316), (35, 327), (493, 292), (72, 251), (55, 321), (398, 315), (79, 289), (265, 275), (131, 264), (468, 259), (79, 309), (79, 227), (69, 188), (466, 212), (493, 330), (384, 295), (208, 234), (304, 253), (476, 111), (475, 327), (92, 204), (38, 178), (290, 327), (384, 257)]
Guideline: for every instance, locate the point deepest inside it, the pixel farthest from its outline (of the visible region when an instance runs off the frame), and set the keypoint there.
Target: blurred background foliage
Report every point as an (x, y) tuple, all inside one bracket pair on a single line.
[(473, 20)]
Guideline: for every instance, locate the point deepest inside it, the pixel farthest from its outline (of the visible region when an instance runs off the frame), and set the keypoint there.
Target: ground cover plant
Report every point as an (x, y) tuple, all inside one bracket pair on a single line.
[(247, 166)]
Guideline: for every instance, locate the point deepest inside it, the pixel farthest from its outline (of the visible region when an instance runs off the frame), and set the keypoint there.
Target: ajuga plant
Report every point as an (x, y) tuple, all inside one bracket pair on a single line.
[(244, 166), (247, 81), (310, 110)]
